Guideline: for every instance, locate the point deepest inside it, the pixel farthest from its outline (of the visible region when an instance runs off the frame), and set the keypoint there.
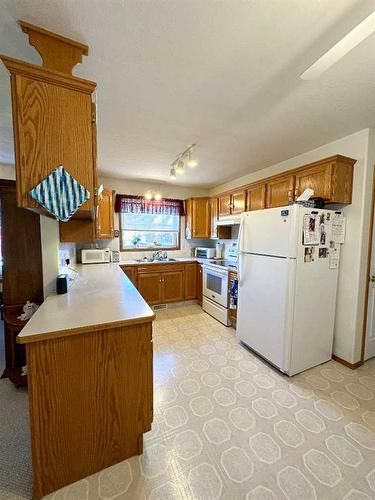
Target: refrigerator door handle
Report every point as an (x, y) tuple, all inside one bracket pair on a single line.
[(239, 268), (240, 235)]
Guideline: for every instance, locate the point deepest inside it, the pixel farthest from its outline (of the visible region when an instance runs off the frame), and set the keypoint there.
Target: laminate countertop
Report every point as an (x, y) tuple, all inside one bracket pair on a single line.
[(101, 297)]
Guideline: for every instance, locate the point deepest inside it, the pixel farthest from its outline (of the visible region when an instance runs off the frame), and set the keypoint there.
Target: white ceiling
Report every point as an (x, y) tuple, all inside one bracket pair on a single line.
[(223, 74)]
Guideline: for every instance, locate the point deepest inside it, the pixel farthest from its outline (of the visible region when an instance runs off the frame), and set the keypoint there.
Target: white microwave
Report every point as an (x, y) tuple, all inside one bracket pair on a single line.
[(205, 253), (95, 255)]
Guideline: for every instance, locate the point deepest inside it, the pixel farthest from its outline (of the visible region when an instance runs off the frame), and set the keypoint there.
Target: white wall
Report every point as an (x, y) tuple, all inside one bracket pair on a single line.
[(7, 172), (351, 287), (127, 186), (49, 229)]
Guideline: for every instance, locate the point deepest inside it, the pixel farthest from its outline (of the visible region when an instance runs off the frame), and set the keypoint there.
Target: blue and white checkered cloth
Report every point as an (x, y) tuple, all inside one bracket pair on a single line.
[(60, 194)]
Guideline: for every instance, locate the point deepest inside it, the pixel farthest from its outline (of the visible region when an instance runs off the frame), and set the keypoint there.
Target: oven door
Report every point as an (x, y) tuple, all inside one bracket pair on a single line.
[(215, 285)]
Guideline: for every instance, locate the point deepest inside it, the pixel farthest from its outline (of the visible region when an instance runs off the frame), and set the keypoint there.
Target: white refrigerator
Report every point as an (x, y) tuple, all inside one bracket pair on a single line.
[(287, 271)]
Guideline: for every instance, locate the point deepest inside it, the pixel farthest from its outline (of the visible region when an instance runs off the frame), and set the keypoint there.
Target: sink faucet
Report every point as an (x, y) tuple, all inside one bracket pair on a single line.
[(157, 255)]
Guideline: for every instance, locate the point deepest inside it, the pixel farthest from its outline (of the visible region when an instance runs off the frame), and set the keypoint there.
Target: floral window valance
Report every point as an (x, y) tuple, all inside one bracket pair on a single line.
[(131, 204)]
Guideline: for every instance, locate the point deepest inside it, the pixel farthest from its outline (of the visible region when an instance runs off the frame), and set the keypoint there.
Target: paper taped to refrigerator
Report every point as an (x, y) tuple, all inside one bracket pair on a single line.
[(338, 229), (311, 233), (334, 255)]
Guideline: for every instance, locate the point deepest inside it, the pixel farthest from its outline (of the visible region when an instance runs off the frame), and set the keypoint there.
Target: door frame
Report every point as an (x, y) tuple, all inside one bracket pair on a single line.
[(368, 269)]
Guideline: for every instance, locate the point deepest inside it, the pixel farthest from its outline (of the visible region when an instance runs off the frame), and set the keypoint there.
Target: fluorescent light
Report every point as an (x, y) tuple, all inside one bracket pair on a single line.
[(157, 196), (338, 51), (148, 195)]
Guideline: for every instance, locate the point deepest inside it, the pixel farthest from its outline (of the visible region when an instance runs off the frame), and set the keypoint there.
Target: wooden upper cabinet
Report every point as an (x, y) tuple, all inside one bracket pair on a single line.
[(225, 203), (280, 191), (331, 179), (198, 219), (105, 215), (256, 197), (213, 215), (238, 202), (191, 276), (86, 230), (232, 203), (52, 123), (172, 286)]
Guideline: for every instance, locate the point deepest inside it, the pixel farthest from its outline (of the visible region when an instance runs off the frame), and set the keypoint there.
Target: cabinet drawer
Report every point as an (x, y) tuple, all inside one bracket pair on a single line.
[(159, 268)]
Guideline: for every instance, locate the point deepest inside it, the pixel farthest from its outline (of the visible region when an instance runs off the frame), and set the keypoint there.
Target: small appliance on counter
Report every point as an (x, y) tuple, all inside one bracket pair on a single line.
[(115, 256), (219, 250), (95, 255), (62, 284), (205, 253)]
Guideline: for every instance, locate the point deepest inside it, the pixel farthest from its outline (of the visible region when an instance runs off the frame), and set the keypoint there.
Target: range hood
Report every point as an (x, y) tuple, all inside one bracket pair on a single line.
[(229, 220)]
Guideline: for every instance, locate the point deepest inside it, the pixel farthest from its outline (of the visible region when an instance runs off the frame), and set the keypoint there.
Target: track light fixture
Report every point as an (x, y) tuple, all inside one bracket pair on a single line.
[(186, 157), (152, 195)]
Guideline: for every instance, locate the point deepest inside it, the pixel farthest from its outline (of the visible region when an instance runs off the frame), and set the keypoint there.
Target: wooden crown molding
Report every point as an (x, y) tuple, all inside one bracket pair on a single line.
[(57, 52), (22, 68)]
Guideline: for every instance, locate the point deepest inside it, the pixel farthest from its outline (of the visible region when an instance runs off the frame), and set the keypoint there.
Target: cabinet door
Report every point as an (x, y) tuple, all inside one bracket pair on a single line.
[(213, 214), (188, 219), (200, 283), (201, 218), (238, 202), (105, 227), (53, 126), (77, 231), (256, 197), (317, 178), (224, 205), (172, 286), (280, 191), (131, 273), (149, 286), (191, 276)]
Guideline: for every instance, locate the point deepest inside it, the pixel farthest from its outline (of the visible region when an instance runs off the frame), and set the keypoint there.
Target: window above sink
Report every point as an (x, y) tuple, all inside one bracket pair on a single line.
[(145, 231)]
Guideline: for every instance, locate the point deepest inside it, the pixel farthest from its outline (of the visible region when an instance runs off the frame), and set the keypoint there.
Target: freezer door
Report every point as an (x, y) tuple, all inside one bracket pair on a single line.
[(264, 313), (268, 232)]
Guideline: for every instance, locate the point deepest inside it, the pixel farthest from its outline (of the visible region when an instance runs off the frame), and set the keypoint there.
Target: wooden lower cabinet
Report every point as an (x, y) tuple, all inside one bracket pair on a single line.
[(149, 286), (166, 283), (91, 400), (191, 277), (172, 286), (131, 273)]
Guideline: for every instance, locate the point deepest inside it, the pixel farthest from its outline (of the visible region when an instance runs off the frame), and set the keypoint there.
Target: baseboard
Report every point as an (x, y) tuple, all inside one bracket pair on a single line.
[(353, 366)]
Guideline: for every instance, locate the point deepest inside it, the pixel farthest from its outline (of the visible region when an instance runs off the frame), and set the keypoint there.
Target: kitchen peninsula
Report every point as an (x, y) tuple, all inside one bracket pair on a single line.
[(89, 358)]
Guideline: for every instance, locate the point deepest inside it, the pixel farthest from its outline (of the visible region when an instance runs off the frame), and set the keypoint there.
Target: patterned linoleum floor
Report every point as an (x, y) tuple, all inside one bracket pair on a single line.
[(227, 425)]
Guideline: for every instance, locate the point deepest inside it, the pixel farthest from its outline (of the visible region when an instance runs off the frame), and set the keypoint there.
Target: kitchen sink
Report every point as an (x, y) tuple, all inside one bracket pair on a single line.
[(167, 259)]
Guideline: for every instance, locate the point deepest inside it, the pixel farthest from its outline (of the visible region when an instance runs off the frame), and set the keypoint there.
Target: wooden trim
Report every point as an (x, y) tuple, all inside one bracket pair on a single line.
[(84, 329), (368, 269), (27, 70), (352, 366), (333, 159), (28, 27)]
